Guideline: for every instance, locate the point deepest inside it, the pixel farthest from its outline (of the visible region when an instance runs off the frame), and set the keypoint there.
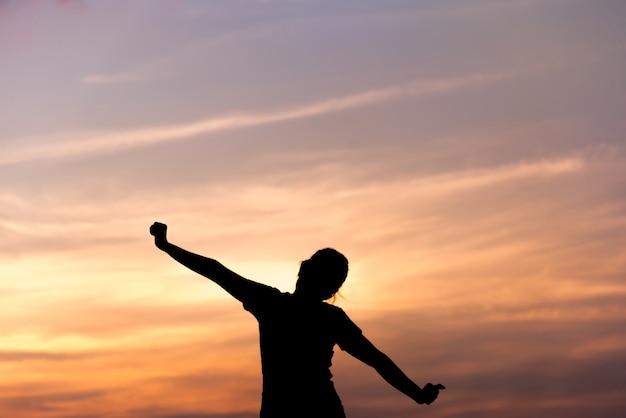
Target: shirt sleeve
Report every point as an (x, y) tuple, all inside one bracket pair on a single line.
[(347, 331), (261, 300)]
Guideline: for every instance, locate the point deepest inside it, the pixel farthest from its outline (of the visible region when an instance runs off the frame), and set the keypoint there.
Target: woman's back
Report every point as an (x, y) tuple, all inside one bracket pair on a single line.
[(297, 337)]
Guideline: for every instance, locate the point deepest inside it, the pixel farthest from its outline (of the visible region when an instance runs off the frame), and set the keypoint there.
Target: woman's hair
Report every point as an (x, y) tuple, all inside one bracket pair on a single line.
[(324, 273)]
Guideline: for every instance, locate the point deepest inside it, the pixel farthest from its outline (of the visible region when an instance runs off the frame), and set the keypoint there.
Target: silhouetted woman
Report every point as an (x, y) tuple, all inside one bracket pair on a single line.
[(298, 332)]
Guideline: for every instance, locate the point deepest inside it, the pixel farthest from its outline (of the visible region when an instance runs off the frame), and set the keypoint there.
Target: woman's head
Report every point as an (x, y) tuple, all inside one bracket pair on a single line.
[(321, 276)]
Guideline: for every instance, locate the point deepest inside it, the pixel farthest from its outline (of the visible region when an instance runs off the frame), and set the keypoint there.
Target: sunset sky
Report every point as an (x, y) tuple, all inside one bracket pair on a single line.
[(467, 156)]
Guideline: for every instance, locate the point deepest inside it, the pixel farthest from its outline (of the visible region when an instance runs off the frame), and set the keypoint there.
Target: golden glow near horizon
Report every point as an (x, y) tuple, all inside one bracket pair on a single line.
[(467, 157)]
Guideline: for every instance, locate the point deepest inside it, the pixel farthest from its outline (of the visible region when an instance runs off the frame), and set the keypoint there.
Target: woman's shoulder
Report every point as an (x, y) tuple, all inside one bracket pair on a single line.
[(264, 298), (333, 310)]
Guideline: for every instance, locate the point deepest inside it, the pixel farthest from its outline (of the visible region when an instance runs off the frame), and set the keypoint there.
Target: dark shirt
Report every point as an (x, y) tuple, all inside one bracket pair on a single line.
[(297, 337)]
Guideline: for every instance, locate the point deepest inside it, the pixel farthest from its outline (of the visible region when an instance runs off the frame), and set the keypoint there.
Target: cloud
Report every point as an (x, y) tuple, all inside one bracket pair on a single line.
[(492, 369), (111, 78), (281, 205), (107, 321), (47, 401), (25, 355), (158, 414), (54, 223), (76, 145), (478, 178)]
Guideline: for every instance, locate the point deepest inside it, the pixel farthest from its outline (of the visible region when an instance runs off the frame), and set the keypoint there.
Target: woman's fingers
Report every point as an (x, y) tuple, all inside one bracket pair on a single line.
[(158, 228)]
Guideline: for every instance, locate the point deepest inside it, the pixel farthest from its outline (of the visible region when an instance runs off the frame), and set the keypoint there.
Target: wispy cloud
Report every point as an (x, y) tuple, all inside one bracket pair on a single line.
[(111, 78), (46, 224), (510, 172), (75, 145)]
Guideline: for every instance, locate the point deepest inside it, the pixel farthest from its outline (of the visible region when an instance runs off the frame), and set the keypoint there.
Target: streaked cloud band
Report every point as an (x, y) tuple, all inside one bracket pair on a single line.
[(76, 145)]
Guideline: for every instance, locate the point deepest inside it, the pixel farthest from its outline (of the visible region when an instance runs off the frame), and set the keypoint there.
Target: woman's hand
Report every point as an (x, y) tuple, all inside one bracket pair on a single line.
[(430, 393), (159, 231)]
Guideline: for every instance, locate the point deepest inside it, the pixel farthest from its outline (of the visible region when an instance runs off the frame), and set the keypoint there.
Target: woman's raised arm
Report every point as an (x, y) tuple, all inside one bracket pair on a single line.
[(239, 287)]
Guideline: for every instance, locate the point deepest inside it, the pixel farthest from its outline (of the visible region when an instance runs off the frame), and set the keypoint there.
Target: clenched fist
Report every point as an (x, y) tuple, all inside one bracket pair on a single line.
[(159, 232)]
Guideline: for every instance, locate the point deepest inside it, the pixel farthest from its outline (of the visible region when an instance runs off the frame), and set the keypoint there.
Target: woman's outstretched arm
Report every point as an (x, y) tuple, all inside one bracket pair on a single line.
[(362, 349), (239, 287)]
